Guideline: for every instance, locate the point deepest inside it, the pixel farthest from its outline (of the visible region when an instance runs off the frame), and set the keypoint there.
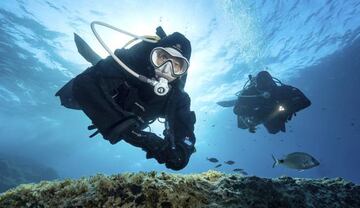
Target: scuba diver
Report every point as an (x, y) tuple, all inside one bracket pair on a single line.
[(127, 91), (265, 100)]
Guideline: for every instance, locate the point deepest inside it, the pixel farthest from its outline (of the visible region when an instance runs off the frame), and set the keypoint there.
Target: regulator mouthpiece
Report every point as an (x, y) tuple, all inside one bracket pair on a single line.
[(161, 87)]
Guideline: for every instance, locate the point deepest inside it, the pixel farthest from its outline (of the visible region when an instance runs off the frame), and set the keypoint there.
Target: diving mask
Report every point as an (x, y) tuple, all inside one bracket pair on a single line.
[(169, 63)]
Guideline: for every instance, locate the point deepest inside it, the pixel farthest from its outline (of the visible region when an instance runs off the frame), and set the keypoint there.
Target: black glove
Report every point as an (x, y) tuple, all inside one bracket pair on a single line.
[(178, 158), (175, 159), (161, 150)]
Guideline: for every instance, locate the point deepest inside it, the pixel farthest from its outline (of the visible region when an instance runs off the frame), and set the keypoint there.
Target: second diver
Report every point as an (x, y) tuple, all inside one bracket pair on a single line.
[(265, 100)]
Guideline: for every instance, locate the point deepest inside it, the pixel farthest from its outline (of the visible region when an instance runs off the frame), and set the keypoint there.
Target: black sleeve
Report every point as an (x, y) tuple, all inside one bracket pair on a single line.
[(184, 120), (99, 90), (182, 125)]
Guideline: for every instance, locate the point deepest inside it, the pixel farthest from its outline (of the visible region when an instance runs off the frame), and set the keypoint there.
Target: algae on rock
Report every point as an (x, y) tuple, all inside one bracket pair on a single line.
[(209, 189)]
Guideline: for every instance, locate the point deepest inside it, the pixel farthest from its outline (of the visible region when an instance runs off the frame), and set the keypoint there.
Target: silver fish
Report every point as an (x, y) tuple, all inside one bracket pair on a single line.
[(297, 160)]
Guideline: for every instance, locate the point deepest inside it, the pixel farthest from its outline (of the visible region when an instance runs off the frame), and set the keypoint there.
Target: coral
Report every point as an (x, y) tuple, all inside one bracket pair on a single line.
[(209, 189)]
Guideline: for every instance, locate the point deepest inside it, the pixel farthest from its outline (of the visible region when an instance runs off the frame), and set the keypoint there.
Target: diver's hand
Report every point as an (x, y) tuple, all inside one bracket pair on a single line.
[(174, 159), (161, 150), (178, 158), (160, 154), (155, 147)]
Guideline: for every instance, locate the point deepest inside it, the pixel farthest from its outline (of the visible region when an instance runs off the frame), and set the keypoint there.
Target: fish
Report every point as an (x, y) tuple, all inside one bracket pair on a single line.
[(219, 165), (241, 171), (297, 160), (212, 159), (229, 162)]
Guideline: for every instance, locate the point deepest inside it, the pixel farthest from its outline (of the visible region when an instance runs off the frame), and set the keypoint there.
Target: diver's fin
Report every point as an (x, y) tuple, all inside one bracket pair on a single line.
[(85, 50), (160, 32), (94, 134), (228, 103), (276, 162), (92, 127)]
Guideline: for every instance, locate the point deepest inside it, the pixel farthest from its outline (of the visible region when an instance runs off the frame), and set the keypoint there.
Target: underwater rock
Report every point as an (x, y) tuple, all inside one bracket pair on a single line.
[(209, 189), (16, 170)]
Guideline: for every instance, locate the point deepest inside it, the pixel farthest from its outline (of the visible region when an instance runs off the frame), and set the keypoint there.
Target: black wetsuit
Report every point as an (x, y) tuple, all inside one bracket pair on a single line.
[(111, 97), (253, 109)]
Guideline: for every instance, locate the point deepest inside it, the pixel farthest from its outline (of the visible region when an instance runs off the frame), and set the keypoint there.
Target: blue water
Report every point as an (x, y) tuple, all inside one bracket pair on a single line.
[(313, 45)]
